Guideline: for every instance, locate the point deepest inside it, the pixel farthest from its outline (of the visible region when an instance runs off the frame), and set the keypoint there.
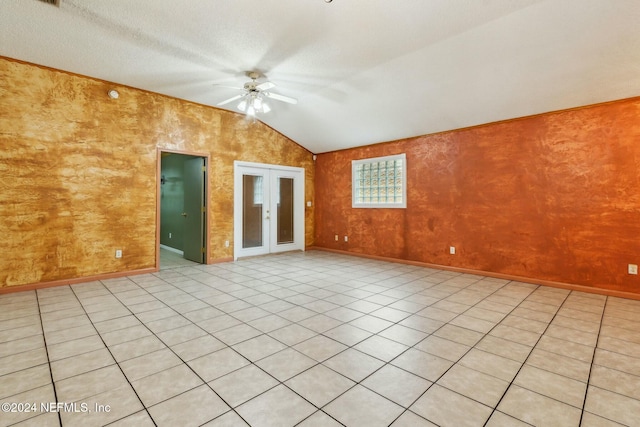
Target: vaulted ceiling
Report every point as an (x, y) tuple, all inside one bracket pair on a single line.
[(363, 71)]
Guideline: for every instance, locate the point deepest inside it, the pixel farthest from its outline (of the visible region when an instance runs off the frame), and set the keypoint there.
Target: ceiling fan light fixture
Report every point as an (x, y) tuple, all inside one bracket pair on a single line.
[(243, 105), (265, 107)]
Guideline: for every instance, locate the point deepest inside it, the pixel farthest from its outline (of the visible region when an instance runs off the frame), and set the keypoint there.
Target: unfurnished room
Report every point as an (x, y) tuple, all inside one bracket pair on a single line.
[(320, 213)]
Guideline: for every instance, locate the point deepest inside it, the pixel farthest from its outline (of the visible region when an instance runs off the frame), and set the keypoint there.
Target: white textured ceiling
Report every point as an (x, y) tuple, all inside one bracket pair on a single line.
[(364, 71)]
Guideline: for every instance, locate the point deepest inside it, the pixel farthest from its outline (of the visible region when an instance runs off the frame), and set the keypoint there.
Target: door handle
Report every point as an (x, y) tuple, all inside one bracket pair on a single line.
[(184, 214)]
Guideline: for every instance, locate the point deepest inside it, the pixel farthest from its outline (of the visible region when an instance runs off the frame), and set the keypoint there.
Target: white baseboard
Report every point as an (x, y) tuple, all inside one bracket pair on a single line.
[(169, 248)]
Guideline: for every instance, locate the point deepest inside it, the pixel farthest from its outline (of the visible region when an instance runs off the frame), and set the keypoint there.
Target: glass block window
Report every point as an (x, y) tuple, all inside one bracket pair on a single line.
[(379, 182)]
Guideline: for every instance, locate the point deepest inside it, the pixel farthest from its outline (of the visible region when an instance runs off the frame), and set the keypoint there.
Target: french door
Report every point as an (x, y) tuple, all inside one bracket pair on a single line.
[(268, 209)]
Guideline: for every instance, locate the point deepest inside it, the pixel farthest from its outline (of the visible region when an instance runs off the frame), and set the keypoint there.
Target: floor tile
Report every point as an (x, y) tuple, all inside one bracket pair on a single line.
[(319, 323), (319, 385), (381, 348), (459, 335), (422, 364), (340, 331), (135, 348), (447, 408), (138, 419), (354, 364), (246, 383), (552, 385), (166, 384), (217, 364), (228, 419), (197, 347), (347, 334), (403, 335), (292, 334), (422, 324), (259, 347), (181, 334), (559, 364), (475, 385), (270, 323), (491, 364), (409, 419), (90, 383), (278, 407), (444, 348), (615, 381), (75, 347), (505, 348), (149, 364), (76, 365), (193, 408), (536, 409), (24, 360), (320, 348), (622, 362), (319, 419), (24, 380), (362, 407), (499, 419), (591, 420), (237, 334), (286, 364), (397, 385), (115, 404)]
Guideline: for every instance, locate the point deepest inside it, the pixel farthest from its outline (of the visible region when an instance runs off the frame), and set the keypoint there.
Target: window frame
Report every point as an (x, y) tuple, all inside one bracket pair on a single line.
[(354, 185)]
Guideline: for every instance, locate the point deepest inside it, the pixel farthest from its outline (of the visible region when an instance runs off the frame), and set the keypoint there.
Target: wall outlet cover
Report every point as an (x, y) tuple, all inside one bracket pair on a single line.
[(633, 269), (452, 250)]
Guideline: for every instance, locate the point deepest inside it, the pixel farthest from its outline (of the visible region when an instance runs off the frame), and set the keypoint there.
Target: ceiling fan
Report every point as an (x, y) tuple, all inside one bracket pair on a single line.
[(253, 100)]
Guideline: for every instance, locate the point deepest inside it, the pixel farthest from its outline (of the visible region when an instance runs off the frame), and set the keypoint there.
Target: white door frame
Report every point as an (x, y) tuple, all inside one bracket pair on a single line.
[(271, 245)]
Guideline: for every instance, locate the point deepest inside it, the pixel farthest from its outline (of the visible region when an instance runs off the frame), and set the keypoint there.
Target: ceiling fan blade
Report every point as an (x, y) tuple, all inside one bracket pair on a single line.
[(282, 98), (227, 86), (265, 86), (230, 100)]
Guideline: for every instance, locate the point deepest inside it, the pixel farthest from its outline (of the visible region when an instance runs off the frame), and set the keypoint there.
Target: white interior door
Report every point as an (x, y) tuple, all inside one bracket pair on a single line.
[(268, 209)]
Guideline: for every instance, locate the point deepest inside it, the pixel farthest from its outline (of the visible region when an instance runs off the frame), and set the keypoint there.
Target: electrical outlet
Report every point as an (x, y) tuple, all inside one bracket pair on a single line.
[(309, 203), (169, 235), (346, 238), (452, 250), (336, 237), (226, 243), (633, 268), (118, 253)]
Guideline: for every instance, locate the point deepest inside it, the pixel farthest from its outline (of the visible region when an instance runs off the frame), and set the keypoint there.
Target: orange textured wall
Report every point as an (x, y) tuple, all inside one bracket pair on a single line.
[(78, 172), (552, 197)]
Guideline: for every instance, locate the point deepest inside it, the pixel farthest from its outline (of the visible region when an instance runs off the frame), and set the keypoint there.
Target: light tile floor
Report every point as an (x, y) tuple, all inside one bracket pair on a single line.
[(170, 259), (317, 339)]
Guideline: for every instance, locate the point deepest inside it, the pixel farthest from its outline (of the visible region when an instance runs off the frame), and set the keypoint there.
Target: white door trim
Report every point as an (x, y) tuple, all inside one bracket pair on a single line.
[(299, 209)]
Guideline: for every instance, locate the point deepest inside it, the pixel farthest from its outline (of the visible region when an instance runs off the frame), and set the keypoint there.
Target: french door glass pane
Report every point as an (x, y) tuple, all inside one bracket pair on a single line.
[(285, 210), (252, 206)]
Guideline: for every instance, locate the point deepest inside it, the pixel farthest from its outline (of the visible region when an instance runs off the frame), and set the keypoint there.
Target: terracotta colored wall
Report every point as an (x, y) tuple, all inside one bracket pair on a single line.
[(78, 172), (553, 197)]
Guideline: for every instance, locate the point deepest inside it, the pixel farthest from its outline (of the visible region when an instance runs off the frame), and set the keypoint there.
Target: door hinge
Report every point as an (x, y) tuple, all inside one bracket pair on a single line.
[(204, 250), (204, 169), (203, 209)]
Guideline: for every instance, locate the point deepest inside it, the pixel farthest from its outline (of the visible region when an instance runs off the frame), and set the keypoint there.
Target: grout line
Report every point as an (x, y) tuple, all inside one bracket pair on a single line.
[(46, 348), (593, 355), (113, 357)]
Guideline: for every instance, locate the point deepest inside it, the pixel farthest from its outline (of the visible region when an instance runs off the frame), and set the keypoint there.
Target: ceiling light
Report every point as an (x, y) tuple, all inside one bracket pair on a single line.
[(113, 94), (253, 104)]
